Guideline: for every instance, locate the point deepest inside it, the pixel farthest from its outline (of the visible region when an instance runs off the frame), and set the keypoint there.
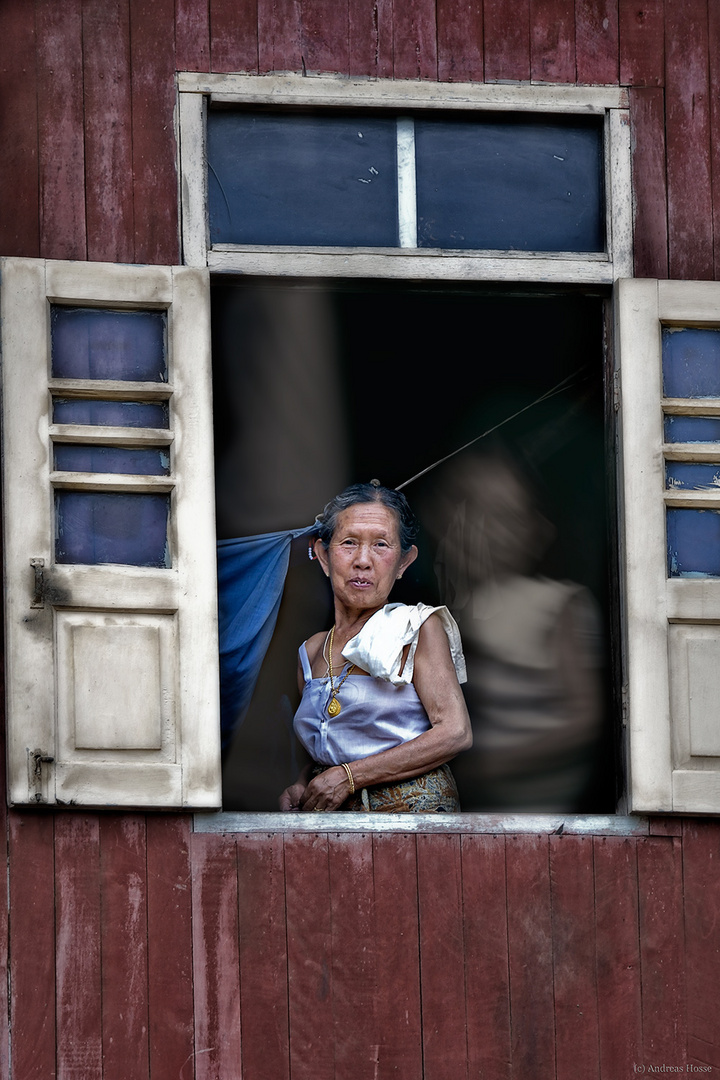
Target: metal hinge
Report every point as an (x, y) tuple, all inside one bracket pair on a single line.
[(616, 391), (38, 598), (37, 777)]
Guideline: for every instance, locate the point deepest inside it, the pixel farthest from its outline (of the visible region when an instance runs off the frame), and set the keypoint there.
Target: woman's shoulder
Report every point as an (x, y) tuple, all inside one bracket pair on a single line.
[(314, 644)]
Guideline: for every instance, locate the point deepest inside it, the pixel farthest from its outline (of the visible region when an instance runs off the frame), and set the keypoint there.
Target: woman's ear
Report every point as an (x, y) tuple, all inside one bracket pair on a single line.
[(322, 556), (408, 558)]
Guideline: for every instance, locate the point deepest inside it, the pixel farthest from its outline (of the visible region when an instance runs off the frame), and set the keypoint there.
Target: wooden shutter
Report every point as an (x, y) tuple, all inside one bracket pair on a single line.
[(109, 535), (669, 358)]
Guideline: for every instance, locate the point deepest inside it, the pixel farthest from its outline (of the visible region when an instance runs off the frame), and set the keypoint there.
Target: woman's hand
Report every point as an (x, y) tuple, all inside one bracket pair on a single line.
[(328, 791), (291, 796)]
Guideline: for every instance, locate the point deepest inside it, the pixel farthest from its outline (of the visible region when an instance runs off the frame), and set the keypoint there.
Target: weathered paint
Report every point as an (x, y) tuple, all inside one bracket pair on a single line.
[(88, 172)]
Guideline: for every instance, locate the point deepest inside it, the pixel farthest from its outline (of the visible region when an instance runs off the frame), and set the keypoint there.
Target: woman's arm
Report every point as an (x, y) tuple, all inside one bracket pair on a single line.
[(439, 691)]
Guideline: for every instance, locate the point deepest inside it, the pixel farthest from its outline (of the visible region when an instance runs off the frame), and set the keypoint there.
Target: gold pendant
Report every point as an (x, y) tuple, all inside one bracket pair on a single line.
[(334, 706)]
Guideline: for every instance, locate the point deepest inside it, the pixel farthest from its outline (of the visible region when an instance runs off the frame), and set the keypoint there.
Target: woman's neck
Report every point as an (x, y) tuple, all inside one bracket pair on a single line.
[(349, 621)]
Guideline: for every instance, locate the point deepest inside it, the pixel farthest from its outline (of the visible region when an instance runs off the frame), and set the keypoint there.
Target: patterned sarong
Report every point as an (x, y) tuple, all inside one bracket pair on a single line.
[(432, 792)]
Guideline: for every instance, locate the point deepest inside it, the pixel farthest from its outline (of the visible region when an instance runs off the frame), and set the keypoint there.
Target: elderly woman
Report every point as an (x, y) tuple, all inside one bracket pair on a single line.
[(382, 711)]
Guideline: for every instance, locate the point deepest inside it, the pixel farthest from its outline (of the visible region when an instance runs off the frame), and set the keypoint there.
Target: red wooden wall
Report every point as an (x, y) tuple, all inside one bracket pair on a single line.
[(138, 949), (141, 951), (87, 94)]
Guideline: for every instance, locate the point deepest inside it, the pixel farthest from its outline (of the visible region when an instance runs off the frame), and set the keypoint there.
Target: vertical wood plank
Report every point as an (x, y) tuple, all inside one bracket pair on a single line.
[(688, 140), (263, 957), (307, 894), (415, 40), (442, 958), (530, 956), (216, 968), (617, 954), (32, 945), (354, 980), (701, 885), (19, 224), (60, 130), (662, 955), (574, 973), (124, 934), (460, 41), (108, 137), (486, 956), (170, 959), (642, 42), (234, 43), (552, 40), (279, 35), (192, 35), (397, 1004), (325, 35), (647, 115), (370, 38), (154, 186), (507, 40), (714, 56), (77, 914), (596, 41)]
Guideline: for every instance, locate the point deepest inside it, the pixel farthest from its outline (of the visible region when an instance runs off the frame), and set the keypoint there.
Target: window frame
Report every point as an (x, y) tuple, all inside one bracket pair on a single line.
[(197, 90), (171, 611)]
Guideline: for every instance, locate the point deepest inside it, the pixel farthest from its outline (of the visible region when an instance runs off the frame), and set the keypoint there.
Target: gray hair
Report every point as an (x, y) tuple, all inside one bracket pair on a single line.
[(368, 493)]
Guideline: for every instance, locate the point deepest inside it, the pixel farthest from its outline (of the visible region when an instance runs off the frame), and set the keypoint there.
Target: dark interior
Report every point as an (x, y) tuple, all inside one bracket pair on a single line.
[(321, 384)]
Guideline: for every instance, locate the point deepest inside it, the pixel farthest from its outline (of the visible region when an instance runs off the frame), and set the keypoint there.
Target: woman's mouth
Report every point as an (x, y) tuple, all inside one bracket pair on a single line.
[(360, 583)]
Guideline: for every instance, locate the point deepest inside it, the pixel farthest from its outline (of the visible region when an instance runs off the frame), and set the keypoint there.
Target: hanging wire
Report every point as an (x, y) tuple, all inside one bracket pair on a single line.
[(564, 384)]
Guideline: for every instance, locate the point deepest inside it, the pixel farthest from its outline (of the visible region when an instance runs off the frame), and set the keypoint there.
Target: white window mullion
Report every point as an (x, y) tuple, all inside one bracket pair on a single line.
[(407, 191)]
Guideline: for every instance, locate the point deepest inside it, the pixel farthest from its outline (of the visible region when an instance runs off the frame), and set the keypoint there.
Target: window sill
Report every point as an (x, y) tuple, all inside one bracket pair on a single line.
[(472, 824)]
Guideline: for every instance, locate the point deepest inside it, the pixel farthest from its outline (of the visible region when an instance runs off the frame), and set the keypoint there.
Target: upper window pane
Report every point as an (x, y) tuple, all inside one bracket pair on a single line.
[(94, 343), (294, 179), (691, 362), (510, 183)]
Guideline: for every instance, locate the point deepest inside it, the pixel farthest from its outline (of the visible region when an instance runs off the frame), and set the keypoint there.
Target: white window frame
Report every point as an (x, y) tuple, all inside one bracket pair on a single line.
[(196, 91), (672, 630), (68, 742), (593, 268)]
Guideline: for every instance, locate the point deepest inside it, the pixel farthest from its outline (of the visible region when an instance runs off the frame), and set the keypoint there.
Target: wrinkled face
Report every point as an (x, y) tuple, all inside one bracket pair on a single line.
[(364, 559)]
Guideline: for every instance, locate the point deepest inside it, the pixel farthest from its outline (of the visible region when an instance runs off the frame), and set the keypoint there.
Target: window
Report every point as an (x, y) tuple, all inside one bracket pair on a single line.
[(109, 539), (410, 233), (669, 342), (112, 651)]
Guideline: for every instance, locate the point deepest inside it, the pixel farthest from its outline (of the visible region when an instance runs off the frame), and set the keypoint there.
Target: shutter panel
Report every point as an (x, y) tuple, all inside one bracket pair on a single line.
[(669, 355), (112, 684)]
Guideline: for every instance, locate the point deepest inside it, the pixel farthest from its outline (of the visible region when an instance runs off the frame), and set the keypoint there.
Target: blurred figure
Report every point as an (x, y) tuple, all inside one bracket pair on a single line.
[(532, 645)]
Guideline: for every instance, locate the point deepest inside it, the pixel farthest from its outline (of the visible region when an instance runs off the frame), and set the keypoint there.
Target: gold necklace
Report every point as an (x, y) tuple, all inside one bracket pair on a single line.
[(334, 705)]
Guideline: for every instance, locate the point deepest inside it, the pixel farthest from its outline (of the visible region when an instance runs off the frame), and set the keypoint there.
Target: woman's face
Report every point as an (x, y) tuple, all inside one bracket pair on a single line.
[(364, 559)]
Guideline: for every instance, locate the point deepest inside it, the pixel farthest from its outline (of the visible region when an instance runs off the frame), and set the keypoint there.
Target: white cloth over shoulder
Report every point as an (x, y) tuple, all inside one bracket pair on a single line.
[(378, 647)]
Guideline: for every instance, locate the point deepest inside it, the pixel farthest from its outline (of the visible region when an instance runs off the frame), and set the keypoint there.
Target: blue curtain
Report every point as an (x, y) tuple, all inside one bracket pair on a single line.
[(251, 578)]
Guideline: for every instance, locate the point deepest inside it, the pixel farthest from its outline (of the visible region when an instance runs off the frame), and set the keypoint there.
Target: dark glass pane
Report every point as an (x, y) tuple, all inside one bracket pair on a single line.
[(91, 343), (692, 475), (504, 183), (144, 461), (111, 527), (691, 362), (135, 414), (693, 539), (289, 179), (689, 429)]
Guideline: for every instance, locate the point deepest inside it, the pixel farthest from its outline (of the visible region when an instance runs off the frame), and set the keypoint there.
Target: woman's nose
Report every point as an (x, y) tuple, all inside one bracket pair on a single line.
[(362, 555)]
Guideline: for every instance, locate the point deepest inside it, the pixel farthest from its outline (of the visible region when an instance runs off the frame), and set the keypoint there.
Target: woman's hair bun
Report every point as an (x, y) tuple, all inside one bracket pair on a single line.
[(376, 483)]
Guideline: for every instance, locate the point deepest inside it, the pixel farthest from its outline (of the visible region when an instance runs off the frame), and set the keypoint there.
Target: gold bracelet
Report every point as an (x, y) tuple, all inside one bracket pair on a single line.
[(346, 767)]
